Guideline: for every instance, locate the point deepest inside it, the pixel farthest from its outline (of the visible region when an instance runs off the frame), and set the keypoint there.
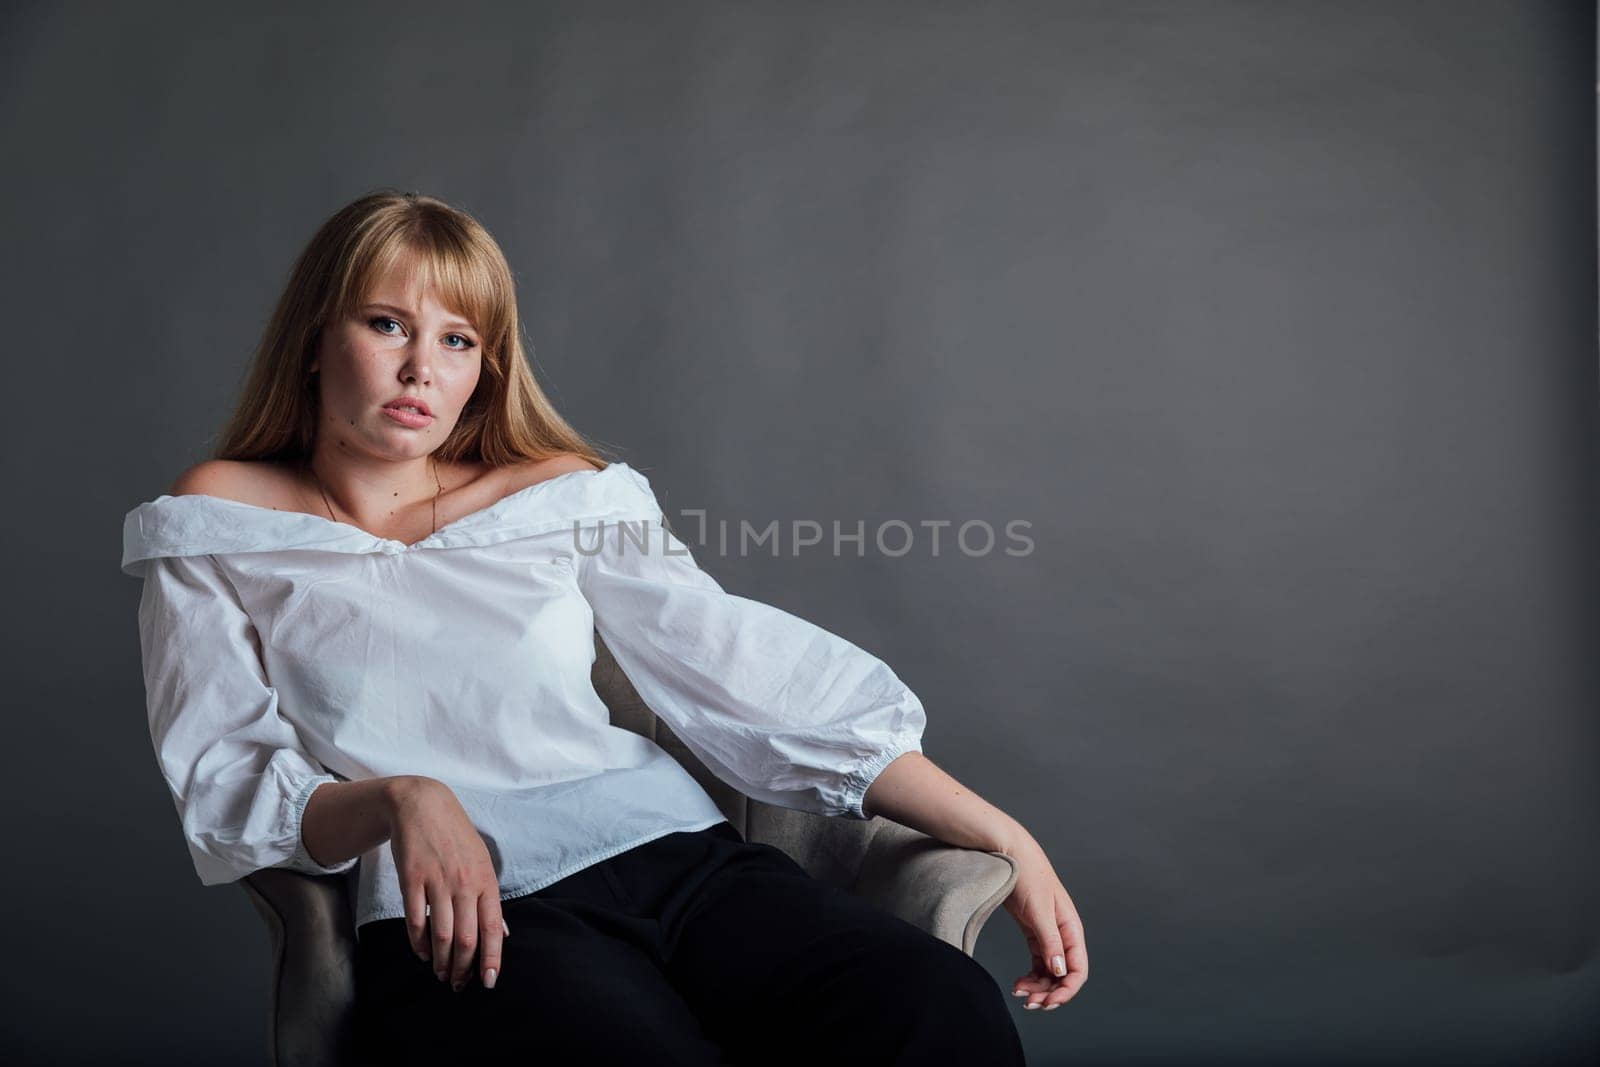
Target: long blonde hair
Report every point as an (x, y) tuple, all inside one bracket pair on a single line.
[(508, 418)]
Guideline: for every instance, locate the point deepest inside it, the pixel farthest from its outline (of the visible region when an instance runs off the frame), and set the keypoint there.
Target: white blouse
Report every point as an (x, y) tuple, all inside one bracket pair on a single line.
[(284, 650)]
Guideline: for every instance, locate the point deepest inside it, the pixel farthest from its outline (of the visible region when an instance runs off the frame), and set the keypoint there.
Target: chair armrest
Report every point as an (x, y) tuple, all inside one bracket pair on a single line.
[(312, 928), (944, 889), (829, 848)]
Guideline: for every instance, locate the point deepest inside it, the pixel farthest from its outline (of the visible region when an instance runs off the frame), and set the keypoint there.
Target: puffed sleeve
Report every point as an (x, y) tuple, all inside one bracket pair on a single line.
[(235, 767), (775, 706)]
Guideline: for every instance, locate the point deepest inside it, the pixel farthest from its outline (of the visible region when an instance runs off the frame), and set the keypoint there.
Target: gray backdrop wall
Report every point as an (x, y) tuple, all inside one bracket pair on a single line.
[(1275, 320)]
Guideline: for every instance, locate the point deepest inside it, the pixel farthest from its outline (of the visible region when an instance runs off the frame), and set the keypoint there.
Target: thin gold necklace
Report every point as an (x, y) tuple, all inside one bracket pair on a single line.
[(327, 504)]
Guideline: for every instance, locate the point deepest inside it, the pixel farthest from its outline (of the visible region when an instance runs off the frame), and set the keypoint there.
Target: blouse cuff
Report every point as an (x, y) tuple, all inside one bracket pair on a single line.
[(301, 860), (855, 786)]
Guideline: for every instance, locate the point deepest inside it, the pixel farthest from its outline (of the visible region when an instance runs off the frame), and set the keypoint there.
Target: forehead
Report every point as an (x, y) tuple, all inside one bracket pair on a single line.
[(408, 291)]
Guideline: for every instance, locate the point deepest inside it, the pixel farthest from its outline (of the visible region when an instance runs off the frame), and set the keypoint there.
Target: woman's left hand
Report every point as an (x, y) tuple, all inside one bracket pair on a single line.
[(1050, 924)]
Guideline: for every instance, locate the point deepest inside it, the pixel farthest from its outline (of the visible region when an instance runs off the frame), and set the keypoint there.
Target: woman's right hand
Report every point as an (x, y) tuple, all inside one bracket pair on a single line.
[(447, 882)]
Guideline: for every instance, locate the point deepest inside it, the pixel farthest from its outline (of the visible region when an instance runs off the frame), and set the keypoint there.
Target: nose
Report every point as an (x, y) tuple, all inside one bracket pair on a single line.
[(417, 367)]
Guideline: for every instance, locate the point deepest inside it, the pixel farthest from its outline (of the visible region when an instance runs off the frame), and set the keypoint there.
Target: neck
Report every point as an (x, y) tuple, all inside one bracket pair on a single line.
[(372, 492)]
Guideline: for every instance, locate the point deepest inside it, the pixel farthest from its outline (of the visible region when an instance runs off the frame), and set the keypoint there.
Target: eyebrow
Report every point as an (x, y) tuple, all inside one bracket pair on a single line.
[(462, 323)]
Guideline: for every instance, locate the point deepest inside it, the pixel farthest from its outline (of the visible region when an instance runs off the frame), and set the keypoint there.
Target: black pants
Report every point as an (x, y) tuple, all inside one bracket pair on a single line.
[(694, 948)]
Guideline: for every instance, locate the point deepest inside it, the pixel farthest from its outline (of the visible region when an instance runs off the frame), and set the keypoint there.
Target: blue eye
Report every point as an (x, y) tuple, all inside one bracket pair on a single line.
[(376, 321)]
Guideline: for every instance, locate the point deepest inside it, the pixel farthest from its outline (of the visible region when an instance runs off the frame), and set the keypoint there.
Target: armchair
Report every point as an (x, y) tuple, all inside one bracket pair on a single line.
[(948, 891)]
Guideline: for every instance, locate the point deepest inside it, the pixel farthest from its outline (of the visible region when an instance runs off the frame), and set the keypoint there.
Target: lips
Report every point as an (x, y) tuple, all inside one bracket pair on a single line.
[(410, 401)]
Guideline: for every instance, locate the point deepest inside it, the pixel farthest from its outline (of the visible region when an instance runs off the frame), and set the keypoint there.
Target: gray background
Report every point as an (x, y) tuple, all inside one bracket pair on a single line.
[(1276, 320)]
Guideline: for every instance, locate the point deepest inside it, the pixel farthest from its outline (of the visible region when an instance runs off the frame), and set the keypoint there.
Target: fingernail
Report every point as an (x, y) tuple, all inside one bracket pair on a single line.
[(1019, 992), (488, 978), (1031, 1007), (1051, 1007), (456, 987), (1058, 966), (439, 975), (423, 956), (505, 926)]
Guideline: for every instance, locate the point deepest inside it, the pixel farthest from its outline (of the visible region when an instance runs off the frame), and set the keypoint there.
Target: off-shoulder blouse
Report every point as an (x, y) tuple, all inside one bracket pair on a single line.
[(283, 650)]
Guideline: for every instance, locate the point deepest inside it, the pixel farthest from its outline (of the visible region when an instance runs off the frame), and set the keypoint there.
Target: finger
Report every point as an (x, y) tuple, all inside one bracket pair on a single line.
[(1056, 993), (1035, 980), (441, 924), (494, 928), (1071, 926), (1031, 983), (1039, 982), (1048, 936), (466, 940), (1038, 987), (415, 899), (1072, 937), (1066, 989), (1077, 964)]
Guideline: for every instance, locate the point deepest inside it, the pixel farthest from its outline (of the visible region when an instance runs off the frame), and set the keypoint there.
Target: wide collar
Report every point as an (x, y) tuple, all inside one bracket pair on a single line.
[(198, 524)]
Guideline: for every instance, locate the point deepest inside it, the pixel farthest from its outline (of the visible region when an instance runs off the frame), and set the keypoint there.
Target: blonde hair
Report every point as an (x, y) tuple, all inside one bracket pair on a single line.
[(508, 419)]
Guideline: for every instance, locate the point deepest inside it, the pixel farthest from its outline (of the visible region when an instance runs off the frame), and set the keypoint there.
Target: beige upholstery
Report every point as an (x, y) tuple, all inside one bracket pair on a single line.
[(949, 892)]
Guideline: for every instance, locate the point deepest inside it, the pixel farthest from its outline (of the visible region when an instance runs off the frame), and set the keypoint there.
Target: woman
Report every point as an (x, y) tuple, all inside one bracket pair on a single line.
[(367, 629)]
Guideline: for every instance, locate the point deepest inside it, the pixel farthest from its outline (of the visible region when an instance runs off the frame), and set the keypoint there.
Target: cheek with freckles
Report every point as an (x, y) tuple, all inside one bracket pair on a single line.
[(355, 381)]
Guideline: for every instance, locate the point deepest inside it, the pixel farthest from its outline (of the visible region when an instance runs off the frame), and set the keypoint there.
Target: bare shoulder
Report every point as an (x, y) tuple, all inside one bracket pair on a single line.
[(231, 479), (521, 475)]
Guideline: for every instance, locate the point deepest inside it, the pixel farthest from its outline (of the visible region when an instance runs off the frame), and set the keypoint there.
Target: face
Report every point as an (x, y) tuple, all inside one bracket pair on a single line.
[(401, 342)]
